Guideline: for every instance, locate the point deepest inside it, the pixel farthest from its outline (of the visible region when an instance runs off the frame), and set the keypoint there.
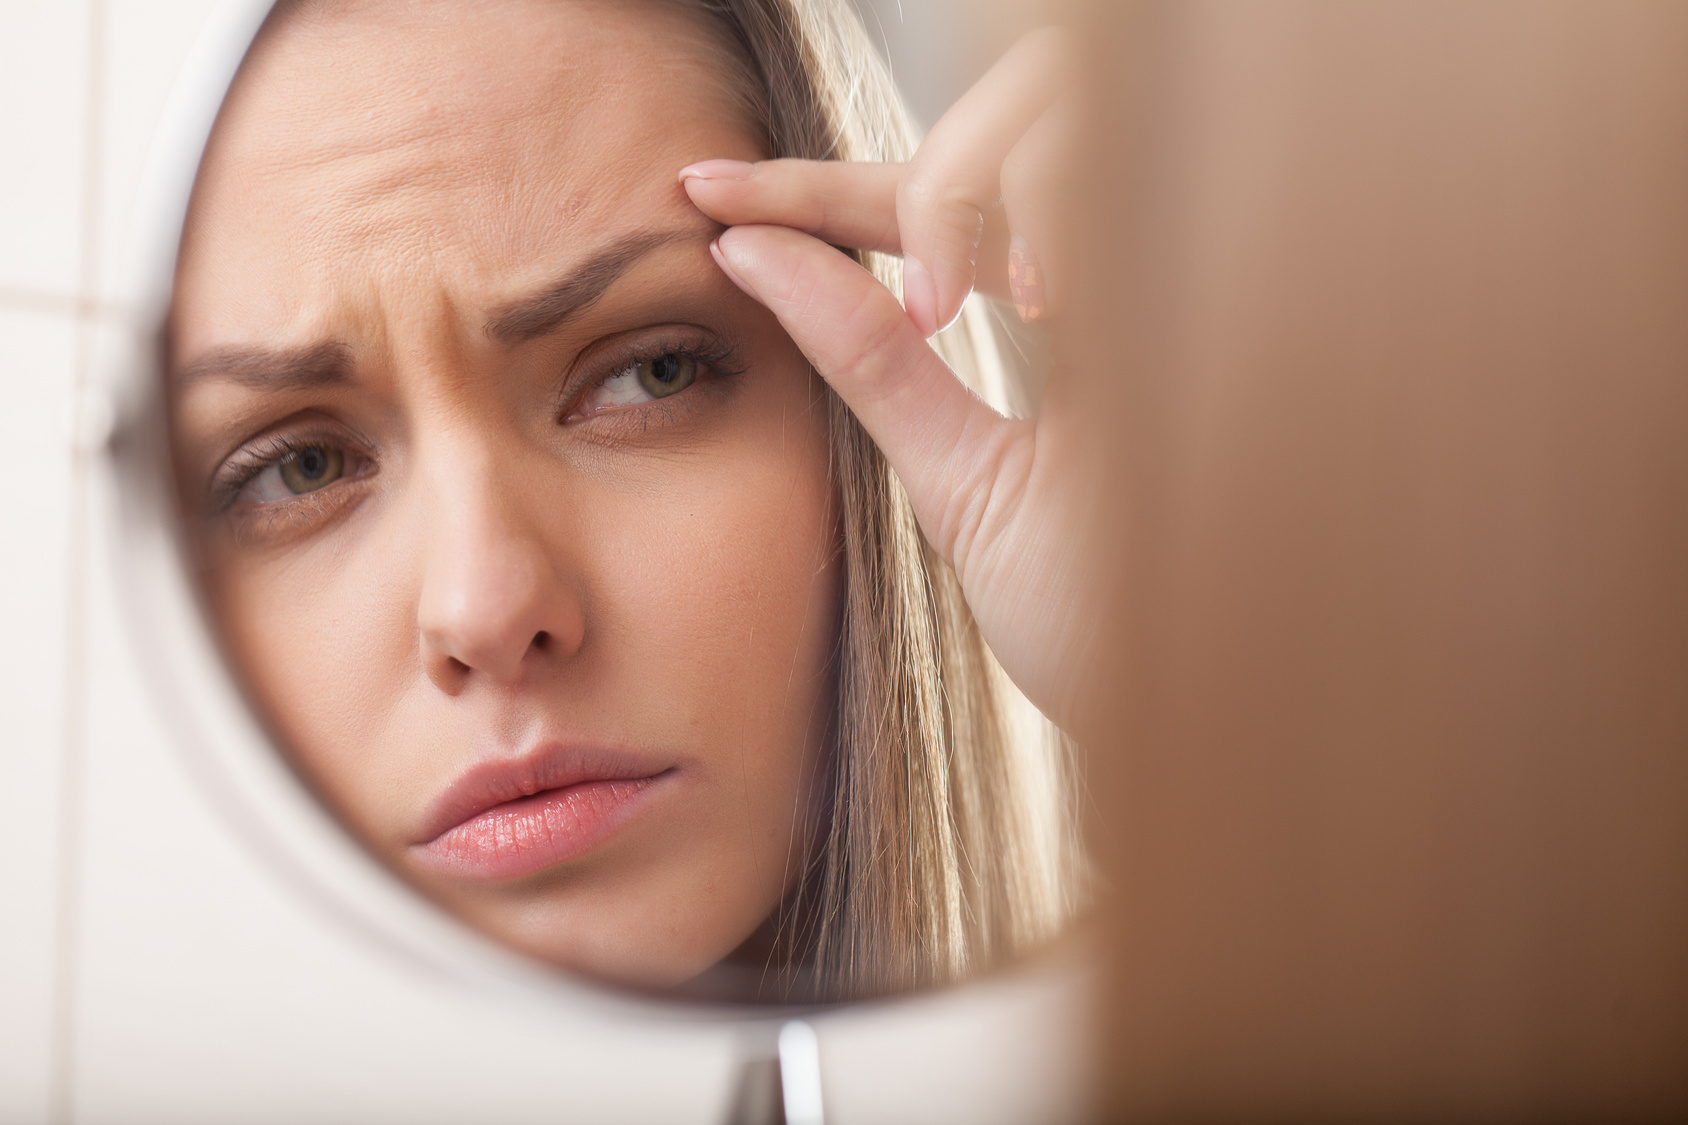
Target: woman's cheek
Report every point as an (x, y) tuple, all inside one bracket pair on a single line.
[(326, 648), (722, 585)]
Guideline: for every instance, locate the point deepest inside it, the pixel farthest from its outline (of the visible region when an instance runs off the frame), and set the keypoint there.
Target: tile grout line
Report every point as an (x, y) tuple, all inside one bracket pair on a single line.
[(61, 304), (28, 300), (61, 1107)]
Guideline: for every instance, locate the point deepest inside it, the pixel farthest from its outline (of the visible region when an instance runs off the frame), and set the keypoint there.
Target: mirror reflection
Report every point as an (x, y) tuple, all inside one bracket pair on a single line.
[(605, 546)]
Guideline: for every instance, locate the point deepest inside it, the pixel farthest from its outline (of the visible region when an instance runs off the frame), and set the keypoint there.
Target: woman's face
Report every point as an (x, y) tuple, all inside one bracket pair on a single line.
[(514, 512)]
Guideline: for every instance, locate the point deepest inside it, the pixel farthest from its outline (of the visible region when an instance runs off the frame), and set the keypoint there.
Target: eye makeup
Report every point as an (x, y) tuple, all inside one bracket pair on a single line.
[(304, 453), (649, 380), (290, 480), (647, 366)]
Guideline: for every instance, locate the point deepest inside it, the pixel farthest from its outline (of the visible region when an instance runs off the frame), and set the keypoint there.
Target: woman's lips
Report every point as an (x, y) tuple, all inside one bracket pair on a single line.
[(505, 819)]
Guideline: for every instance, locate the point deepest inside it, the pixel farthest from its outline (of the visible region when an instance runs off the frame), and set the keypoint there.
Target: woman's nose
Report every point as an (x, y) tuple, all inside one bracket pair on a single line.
[(496, 600)]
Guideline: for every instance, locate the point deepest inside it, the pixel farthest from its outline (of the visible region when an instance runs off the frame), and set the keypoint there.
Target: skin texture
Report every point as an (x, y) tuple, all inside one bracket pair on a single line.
[(497, 566)]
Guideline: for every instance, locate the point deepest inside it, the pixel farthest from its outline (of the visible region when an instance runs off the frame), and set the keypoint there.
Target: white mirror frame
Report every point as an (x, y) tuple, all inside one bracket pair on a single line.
[(1007, 1048)]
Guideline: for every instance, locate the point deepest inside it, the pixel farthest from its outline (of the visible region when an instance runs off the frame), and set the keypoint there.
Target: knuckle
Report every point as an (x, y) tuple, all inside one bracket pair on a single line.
[(933, 194), (950, 222), (916, 188)]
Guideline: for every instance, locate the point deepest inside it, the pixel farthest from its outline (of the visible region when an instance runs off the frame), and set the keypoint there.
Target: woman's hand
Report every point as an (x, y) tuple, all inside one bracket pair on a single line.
[(1005, 502)]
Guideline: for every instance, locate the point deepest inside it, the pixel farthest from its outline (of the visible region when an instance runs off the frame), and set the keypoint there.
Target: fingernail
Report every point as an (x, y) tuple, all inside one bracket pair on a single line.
[(720, 257), (920, 295), (717, 170), (1025, 280)]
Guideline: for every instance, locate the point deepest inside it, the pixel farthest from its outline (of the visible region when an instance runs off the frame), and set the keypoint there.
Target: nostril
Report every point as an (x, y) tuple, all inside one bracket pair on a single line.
[(541, 639)]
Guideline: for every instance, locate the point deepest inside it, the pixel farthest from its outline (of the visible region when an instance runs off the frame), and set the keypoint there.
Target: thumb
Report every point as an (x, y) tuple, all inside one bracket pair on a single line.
[(942, 441)]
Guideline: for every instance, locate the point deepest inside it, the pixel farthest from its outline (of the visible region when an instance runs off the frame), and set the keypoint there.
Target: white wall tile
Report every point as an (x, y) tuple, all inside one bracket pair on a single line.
[(43, 80), (37, 353), (145, 42)]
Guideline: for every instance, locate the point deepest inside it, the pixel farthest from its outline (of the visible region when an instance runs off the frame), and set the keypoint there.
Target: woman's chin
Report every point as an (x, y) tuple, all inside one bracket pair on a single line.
[(629, 952)]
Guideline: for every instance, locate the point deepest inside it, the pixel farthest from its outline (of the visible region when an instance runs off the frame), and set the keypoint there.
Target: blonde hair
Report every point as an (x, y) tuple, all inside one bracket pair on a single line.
[(948, 842)]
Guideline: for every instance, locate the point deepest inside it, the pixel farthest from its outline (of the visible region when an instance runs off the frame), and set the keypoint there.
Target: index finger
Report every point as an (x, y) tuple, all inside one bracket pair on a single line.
[(852, 205)]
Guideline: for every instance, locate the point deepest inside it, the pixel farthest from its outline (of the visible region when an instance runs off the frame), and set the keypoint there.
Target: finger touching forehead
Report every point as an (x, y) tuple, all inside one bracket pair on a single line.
[(363, 143)]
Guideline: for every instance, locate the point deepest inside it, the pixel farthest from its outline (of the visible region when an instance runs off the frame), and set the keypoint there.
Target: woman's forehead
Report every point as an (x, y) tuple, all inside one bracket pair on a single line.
[(387, 74), (462, 130)]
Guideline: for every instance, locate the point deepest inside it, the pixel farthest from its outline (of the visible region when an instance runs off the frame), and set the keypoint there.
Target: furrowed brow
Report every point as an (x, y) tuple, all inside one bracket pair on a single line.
[(548, 308), (273, 369)]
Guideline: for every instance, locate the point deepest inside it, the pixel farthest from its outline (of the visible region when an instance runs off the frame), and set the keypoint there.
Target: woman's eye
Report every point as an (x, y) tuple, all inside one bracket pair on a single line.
[(312, 467), (644, 381), (301, 471), (665, 374)]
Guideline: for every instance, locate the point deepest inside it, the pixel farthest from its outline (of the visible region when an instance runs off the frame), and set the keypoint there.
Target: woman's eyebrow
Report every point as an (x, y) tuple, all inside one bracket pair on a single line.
[(273, 369), (544, 310)]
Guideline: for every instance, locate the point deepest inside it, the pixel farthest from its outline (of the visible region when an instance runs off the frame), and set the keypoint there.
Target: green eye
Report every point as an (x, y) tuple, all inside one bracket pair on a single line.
[(312, 467), (666, 374)]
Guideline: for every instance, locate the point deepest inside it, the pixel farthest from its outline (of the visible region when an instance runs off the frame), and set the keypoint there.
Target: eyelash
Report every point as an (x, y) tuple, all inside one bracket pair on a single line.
[(248, 462), (717, 358)]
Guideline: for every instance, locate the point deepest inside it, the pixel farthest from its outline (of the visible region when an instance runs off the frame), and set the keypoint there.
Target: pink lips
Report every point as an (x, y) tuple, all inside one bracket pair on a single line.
[(509, 818)]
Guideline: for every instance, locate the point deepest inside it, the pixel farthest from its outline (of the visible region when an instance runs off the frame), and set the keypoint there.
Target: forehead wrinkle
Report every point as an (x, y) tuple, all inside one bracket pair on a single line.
[(437, 110), (369, 184), (431, 87), (413, 196)]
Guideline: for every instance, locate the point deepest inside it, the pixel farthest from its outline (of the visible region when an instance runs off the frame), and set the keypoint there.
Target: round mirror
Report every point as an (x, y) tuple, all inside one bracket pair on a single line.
[(536, 534)]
